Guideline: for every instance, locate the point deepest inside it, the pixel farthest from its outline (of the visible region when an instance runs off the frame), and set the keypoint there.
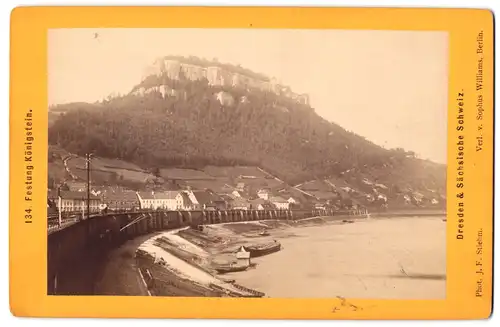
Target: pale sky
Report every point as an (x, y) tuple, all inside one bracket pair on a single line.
[(388, 86)]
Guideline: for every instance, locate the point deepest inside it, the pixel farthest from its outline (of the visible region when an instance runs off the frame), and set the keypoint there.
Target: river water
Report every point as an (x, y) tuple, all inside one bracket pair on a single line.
[(375, 258)]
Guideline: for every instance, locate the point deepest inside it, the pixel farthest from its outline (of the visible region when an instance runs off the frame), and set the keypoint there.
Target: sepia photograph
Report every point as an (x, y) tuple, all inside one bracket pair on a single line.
[(261, 163)]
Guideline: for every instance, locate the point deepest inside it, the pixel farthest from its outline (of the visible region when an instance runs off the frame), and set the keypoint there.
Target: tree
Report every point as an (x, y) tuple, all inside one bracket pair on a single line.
[(51, 183), (156, 172), (113, 178)]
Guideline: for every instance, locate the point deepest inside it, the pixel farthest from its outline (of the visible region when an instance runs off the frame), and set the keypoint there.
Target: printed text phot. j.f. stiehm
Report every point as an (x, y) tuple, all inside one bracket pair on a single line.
[(184, 162)]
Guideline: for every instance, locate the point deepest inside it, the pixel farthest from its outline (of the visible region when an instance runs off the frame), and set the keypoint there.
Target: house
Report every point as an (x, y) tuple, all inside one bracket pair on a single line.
[(279, 203), (261, 204), (167, 200), (243, 257), (292, 200), (117, 198), (75, 186), (257, 204), (219, 202), (228, 200), (208, 199), (240, 204), (382, 198), (69, 201), (187, 203), (203, 198), (263, 194), (195, 205), (240, 187), (320, 206)]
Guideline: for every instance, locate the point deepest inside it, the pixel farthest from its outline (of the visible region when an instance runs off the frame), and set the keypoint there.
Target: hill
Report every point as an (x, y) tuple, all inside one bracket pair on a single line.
[(164, 123)]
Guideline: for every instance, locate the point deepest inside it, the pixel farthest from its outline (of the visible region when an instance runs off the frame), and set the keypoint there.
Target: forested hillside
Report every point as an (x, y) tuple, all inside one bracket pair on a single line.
[(191, 128)]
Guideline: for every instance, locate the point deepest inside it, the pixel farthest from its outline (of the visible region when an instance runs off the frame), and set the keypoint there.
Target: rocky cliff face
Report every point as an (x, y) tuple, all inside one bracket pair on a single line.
[(217, 74)]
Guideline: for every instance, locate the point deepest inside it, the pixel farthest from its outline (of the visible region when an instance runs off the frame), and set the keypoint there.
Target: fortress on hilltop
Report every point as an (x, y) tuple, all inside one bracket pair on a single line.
[(218, 74)]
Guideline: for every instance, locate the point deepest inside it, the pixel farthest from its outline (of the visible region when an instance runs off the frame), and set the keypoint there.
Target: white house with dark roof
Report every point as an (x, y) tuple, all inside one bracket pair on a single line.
[(71, 201), (167, 200)]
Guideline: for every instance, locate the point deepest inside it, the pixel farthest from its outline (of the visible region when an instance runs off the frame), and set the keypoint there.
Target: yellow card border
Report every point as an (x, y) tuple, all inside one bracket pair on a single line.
[(28, 91)]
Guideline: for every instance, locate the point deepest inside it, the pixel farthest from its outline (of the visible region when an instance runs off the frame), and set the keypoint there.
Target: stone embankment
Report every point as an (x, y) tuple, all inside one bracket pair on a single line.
[(184, 262)]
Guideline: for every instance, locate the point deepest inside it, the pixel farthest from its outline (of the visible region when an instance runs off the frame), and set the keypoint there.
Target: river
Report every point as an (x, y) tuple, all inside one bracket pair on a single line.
[(375, 258)]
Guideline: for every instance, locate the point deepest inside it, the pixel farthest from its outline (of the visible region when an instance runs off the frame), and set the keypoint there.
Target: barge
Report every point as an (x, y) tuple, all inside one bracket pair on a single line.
[(259, 250)]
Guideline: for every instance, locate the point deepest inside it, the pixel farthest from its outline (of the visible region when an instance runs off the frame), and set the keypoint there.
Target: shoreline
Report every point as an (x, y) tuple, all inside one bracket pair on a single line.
[(176, 251)]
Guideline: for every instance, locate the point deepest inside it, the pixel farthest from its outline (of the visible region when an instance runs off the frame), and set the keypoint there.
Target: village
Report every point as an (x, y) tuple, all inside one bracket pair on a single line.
[(72, 197), (117, 186)]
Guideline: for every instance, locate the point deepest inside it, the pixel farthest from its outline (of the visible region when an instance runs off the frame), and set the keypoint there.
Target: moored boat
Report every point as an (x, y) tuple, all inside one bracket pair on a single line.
[(230, 268), (263, 249)]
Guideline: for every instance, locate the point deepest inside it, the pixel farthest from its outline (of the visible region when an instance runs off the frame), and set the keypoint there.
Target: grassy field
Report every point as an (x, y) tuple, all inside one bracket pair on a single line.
[(180, 173), (104, 169), (234, 172)]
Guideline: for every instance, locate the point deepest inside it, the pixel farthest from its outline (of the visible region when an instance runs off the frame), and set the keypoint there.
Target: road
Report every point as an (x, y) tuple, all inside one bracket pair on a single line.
[(120, 275)]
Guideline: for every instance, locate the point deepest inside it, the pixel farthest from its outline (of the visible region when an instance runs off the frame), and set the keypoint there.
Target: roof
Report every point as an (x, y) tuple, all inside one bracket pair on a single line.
[(240, 202), (72, 195), (258, 201), (186, 199), (76, 186), (165, 195), (277, 199), (118, 195), (242, 193), (191, 196), (268, 206), (76, 183), (203, 197), (232, 196), (206, 197), (226, 197)]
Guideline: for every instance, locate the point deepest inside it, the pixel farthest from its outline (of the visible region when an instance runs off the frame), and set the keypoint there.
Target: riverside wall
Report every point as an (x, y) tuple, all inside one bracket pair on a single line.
[(77, 253)]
